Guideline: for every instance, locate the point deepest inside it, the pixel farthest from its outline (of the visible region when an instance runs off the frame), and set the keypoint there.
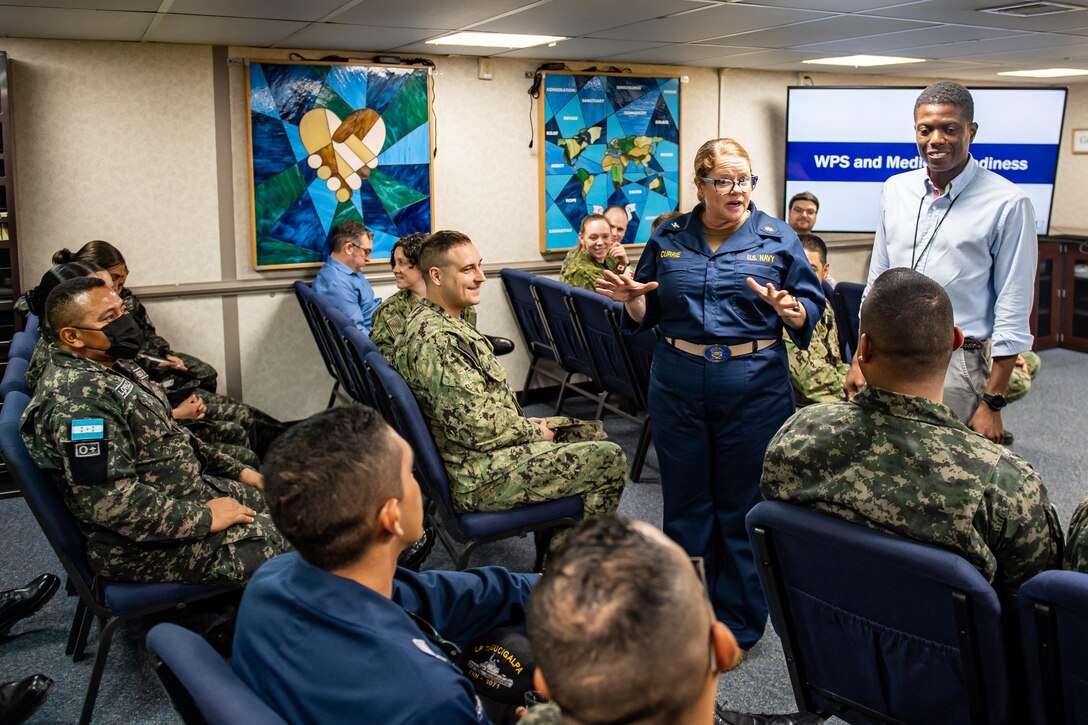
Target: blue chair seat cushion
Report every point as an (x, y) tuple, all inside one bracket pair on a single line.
[(123, 597), (484, 524)]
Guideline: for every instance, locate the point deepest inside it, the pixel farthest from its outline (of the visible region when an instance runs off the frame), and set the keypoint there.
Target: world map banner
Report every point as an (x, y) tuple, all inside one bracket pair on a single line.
[(609, 140), (331, 143)]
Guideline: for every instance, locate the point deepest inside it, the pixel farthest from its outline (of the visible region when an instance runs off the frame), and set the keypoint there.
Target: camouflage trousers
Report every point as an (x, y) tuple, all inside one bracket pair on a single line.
[(260, 428), (229, 438), (594, 470), (229, 555), (200, 377), (1020, 380)]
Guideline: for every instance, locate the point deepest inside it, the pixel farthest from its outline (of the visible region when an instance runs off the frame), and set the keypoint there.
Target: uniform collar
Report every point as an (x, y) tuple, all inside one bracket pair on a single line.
[(758, 227), (908, 407), (339, 597), (341, 267), (958, 184)]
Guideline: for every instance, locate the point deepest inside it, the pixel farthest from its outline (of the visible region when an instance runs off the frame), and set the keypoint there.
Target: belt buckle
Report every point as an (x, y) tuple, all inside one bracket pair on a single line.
[(716, 353), (970, 343)]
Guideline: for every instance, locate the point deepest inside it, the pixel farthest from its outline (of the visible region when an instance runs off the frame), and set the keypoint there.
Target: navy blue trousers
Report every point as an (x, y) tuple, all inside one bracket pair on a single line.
[(711, 426)]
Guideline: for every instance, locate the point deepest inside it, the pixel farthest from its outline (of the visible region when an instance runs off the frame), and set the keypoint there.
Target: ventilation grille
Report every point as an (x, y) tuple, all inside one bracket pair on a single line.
[(1033, 9)]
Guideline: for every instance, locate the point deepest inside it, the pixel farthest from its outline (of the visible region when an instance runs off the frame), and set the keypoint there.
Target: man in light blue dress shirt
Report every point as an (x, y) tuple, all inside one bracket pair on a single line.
[(341, 279), (973, 232)]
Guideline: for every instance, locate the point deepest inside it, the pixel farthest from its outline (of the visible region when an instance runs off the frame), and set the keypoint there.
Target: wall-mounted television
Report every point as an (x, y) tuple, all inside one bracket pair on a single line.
[(843, 142)]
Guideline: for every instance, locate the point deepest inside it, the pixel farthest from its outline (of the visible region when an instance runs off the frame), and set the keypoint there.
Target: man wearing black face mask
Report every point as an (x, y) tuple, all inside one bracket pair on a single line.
[(154, 505)]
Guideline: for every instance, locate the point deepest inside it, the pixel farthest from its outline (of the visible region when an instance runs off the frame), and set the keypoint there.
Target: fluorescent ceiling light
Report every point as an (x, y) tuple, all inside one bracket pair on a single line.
[(496, 40), (1046, 73), (860, 61)]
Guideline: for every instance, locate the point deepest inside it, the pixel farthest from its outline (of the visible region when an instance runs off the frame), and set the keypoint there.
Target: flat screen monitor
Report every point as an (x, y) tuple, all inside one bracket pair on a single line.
[(842, 143)]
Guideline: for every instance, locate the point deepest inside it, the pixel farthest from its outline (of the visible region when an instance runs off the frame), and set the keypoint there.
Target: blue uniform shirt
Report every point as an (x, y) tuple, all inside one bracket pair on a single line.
[(704, 297), (319, 648), (348, 291)]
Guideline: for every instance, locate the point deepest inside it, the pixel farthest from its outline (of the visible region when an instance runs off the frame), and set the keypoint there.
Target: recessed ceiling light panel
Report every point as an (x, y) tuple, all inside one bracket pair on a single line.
[(1033, 9), (496, 40), (864, 61), (1046, 73)]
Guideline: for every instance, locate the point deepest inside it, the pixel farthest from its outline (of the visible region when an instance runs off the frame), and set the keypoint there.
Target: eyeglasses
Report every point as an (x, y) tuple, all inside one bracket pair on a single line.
[(725, 186), (803, 212), (365, 250)]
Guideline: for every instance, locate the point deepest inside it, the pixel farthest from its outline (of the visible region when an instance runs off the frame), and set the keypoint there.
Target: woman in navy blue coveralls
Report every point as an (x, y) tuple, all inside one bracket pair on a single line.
[(720, 283)]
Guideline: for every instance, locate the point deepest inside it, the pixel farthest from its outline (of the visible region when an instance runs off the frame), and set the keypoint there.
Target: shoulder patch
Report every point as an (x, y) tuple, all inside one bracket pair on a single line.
[(88, 429), (124, 388)]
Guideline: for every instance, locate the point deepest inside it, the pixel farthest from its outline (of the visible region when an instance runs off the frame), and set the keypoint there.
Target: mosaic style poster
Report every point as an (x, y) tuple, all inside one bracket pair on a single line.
[(331, 143), (608, 140)]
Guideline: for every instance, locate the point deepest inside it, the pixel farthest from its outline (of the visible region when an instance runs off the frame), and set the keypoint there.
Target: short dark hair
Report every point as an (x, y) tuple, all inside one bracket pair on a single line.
[(813, 243), (909, 316), (98, 251), (610, 599), (410, 246), (592, 218), (65, 305), (325, 480), (436, 248), (803, 196), (662, 218), (947, 93), (53, 277), (346, 232)]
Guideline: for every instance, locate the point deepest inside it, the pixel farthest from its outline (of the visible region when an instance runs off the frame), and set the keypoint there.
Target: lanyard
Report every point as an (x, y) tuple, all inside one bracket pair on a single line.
[(917, 218)]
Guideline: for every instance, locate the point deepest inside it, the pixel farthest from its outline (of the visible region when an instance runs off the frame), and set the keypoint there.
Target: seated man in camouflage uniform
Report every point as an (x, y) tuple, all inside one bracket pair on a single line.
[(895, 458), (818, 373), (1076, 547), (496, 457), (152, 503)]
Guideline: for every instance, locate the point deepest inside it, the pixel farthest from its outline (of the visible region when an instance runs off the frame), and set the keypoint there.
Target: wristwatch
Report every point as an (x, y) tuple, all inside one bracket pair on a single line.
[(995, 402)]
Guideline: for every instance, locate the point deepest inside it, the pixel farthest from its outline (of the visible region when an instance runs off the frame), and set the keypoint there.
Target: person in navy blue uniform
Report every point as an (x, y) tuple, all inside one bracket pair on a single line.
[(337, 633), (720, 283)]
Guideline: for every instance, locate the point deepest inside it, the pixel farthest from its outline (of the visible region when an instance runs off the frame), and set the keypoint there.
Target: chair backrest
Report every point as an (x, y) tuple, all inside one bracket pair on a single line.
[(335, 322), (638, 349), (552, 298), (356, 347), (1054, 626), (14, 377), (22, 345), (886, 628), (45, 500), (848, 295), (201, 685), (404, 415), (590, 311), (518, 286), (307, 301), (32, 325), (840, 315)]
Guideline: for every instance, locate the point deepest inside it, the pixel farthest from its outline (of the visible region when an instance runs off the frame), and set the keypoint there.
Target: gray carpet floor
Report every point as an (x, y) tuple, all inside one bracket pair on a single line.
[(1050, 425)]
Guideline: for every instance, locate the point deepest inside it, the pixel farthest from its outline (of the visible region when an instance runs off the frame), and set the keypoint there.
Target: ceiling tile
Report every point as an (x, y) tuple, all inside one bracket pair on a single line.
[(339, 36), (681, 53), (789, 36), (966, 12), (21, 22), (577, 17), (591, 48), (435, 14), (756, 59), (907, 39), (712, 22), (838, 6), (205, 30), (1045, 43), (310, 10), (146, 6)]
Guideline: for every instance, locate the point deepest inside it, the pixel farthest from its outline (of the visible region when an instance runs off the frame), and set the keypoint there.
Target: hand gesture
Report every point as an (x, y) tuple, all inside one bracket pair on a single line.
[(227, 512), (250, 477), (548, 433), (786, 305), (175, 362), (622, 288), (617, 250), (190, 408)]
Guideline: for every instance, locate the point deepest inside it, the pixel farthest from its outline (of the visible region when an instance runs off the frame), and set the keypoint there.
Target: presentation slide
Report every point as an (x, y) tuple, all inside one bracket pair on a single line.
[(842, 143)]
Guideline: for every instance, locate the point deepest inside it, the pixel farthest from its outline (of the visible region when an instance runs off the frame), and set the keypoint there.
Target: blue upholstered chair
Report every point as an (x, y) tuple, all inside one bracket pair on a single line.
[(519, 291), (111, 603), (638, 356), (840, 316), (848, 303), (878, 628), (306, 300), (22, 345), (14, 377), (551, 297), (201, 685), (1054, 626), (454, 529)]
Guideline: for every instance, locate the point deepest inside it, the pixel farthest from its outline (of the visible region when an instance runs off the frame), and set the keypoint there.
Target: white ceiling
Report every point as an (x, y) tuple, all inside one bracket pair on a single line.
[(952, 35)]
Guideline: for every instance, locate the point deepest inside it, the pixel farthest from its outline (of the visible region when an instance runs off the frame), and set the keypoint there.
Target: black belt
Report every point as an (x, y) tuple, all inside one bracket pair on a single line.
[(973, 343)]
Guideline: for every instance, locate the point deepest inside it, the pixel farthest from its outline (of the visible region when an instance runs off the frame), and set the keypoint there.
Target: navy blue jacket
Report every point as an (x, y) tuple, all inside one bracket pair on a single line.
[(319, 648), (704, 298)]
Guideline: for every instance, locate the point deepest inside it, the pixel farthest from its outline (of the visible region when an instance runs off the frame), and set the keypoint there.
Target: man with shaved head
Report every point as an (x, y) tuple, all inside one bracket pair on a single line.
[(896, 459)]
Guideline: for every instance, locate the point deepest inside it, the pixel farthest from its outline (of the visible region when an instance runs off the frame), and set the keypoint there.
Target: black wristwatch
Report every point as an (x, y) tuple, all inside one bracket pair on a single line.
[(995, 402)]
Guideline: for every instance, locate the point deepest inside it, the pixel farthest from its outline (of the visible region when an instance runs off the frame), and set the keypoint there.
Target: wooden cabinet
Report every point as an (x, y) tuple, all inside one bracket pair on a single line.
[(1060, 315)]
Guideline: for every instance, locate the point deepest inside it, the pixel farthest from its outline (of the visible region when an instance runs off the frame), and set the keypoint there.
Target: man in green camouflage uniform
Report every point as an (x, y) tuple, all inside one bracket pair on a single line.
[(495, 457), (595, 252), (896, 459), (818, 373), (391, 316), (1076, 547), (153, 503)]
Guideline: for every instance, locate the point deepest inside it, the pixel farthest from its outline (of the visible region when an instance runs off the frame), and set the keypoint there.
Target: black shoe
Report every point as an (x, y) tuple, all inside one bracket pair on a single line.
[(732, 717), (19, 699), (15, 604), (502, 345), (1008, 438)]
